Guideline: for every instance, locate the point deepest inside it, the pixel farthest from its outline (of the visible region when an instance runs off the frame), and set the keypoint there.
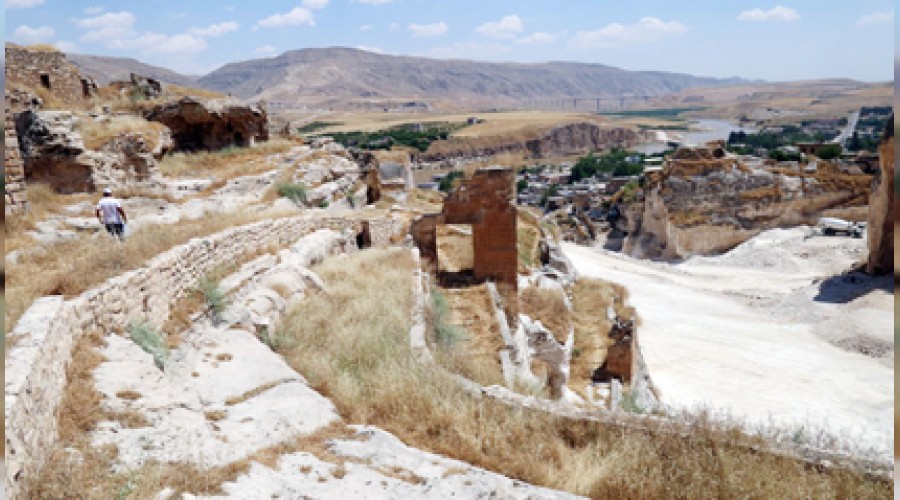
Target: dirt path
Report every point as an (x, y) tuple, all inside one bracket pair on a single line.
[(753, 341)]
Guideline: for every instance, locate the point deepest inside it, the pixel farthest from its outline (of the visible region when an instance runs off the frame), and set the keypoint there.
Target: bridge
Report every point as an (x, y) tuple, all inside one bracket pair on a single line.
[(593, 103)]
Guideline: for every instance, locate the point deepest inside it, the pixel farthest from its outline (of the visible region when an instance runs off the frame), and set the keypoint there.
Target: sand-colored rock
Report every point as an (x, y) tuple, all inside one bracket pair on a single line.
[(881, 209)]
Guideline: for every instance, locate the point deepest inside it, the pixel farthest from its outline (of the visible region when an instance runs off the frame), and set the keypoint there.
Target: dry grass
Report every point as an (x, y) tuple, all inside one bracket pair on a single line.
[(72, 267), (762, 193), (227, 163), (548, 307), (42, 202), (42, 47), (49, 100), (477, 357), (528, 235), (688, 219), (365, 367), (592, 300), (175, 91), (494, 123), (97, 133)]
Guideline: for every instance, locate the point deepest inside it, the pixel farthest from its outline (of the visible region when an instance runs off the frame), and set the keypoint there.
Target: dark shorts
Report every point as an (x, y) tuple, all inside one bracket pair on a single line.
[(116, 229)]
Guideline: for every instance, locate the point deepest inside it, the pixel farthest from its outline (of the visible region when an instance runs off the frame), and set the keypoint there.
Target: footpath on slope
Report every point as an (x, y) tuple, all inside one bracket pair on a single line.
[(768, 344)]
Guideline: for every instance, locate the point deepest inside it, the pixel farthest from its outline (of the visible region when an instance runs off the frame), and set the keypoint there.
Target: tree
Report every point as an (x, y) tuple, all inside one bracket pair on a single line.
[(830, 151)]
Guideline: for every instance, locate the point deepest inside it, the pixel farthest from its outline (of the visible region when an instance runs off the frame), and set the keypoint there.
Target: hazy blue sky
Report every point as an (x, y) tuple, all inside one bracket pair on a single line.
[(794, 39)]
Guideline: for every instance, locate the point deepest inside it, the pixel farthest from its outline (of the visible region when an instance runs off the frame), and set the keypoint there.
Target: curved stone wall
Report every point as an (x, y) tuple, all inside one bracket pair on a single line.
[(36, 366)]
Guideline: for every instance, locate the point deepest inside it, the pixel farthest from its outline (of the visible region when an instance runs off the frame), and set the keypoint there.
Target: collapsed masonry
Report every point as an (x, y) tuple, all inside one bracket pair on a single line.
[(486, 202), (138, 86)]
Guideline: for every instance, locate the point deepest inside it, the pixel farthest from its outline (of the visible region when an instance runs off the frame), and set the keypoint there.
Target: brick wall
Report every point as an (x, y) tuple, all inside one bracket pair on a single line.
[(36, 366), (486, 202)]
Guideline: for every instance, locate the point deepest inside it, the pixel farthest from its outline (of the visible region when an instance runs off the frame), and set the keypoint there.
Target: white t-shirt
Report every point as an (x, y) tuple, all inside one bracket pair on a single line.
[(108, 208)]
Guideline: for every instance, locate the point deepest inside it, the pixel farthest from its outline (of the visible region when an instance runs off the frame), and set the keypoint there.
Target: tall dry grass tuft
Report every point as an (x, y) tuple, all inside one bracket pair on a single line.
[(42, 202), (549, 307), (351, 344), (226, 163), (96, 133)]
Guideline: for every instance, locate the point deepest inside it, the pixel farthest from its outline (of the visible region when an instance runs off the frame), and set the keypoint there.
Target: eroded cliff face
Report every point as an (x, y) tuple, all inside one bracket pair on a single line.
[(881, 210), (579, 138), (705, 204), (567, 140)]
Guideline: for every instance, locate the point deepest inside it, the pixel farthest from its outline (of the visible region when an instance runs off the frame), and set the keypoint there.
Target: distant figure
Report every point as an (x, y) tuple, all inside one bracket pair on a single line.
[(110, 213)]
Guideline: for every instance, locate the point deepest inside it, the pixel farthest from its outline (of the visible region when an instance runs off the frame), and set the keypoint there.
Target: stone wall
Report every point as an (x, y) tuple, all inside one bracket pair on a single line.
[(36, 365), (13, 167), (49, 70)]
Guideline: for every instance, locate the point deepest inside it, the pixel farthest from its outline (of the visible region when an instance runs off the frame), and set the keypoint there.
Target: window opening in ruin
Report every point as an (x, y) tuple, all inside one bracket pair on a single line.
[(455, 255), (45, 80)]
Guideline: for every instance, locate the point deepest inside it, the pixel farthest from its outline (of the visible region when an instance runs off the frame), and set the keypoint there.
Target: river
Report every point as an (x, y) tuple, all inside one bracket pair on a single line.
[(703, 131)]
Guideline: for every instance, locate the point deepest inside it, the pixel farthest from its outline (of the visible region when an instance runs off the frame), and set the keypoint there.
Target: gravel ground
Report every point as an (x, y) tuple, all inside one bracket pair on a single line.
[(773, 332)]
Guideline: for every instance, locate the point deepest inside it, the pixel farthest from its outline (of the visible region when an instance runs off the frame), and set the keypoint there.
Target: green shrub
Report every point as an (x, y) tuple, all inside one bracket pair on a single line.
[(274, 340), (293, 192), (216, 300), (150, 340), (444, 332)]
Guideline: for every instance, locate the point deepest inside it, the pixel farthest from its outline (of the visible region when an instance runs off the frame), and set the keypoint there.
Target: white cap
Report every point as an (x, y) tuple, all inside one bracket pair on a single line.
[(107, 191)]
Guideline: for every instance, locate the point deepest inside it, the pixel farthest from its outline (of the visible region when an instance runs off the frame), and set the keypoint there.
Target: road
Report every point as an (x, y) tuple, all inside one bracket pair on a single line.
[(848, 130), (735, 339)]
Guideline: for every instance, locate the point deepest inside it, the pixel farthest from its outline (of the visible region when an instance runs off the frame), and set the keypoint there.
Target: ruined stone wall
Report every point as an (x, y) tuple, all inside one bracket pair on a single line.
[(486, 201), (13, 168), (49, 70), (36, 366)]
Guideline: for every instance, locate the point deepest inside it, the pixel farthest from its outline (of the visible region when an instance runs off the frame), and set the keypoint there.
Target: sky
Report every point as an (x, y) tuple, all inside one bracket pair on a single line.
[(758, 39)]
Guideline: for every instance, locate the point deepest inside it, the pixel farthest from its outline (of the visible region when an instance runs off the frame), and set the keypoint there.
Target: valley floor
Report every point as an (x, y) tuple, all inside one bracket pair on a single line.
[(770, 332)]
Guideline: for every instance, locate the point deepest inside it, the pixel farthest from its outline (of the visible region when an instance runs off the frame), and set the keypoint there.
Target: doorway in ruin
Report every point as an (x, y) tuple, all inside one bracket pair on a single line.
[(364, 237), (45, 81), (455, 255)]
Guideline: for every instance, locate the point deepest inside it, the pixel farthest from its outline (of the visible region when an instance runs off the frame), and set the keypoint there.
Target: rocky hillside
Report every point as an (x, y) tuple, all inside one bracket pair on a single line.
[(345, 73), (107, 69), (705, 203)]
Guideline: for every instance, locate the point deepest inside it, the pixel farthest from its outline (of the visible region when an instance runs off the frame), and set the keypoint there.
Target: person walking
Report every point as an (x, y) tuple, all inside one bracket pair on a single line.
[(110, 213)]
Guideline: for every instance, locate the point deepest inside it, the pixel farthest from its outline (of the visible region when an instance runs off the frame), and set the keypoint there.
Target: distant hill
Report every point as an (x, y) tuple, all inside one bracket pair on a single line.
[(323, 74), (106, 69)]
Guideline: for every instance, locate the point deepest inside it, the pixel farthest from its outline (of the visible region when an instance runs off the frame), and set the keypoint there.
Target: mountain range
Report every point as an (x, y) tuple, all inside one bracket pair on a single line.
[(322, 75)]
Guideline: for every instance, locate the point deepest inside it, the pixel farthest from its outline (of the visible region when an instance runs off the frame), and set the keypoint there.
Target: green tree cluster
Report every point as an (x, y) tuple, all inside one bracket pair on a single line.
[(615, 163)]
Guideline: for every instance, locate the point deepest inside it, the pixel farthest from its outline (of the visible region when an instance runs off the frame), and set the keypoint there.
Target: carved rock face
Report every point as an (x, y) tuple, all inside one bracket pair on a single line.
[(212, 125)]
